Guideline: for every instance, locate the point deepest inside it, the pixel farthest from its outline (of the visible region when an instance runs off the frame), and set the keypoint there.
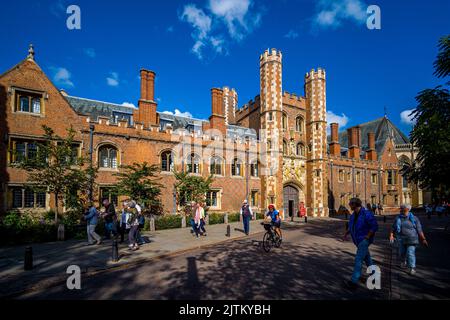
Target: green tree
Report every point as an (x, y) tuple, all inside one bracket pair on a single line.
[(431, 132), (140, 182), (59, 169), (190, 188)]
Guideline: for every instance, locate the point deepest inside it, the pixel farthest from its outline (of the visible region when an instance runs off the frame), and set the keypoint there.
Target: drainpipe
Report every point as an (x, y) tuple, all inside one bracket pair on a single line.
[(91, 151)]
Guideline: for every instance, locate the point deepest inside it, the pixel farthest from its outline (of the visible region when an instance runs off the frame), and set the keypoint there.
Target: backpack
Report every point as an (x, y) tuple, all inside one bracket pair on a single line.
[(141, 220)]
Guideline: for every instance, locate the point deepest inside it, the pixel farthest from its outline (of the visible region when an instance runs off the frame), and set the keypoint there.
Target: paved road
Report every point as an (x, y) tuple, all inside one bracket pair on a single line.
[(311, 264)]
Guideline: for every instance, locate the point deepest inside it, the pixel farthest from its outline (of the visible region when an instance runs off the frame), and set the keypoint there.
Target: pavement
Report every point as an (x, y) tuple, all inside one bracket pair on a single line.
[(311, 264), (50, 260)]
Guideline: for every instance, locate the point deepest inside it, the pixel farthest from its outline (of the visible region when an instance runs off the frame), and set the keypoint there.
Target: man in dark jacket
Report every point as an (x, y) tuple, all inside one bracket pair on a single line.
[(362, 227), (247, 214), (110, 219)]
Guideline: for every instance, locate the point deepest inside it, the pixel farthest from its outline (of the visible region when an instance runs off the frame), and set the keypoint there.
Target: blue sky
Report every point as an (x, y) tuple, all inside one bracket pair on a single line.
[(196, 45)]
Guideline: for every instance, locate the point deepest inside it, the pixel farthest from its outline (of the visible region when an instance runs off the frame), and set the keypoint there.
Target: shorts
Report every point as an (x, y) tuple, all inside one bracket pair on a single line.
[(276, 224)]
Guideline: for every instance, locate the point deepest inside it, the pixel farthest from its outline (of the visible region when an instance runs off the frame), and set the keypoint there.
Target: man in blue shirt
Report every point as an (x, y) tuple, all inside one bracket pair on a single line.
[(275, 219), (362, 227)]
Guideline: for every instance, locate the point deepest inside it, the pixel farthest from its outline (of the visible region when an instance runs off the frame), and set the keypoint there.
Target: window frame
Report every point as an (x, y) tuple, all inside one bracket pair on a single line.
[(168, 157), (30, 97), (237, 164), (109, 148), (216, 162), (190, 165)]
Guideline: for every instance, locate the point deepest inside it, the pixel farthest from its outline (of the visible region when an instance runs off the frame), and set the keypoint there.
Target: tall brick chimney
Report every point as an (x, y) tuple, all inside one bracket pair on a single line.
[(335, 147), (371, 152), (217, 118), (354, 142), (146, 113)]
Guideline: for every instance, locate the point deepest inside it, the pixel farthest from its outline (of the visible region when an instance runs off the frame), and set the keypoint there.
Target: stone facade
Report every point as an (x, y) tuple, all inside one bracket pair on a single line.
[(274, 149)]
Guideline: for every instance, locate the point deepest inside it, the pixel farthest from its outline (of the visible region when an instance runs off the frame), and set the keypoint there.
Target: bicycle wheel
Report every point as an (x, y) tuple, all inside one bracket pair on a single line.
[(278, 241), (267, 242)]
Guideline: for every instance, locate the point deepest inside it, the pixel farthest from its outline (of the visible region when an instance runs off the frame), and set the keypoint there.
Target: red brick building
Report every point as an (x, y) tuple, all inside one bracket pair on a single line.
[(274, 149)]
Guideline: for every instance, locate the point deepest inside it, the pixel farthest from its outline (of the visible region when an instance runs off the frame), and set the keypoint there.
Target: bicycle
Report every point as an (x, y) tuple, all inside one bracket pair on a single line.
[(270, 238)]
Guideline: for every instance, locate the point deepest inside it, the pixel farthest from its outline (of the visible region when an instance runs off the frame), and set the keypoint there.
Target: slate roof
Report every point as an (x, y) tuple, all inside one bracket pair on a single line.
[(383, 129), (96, 108)]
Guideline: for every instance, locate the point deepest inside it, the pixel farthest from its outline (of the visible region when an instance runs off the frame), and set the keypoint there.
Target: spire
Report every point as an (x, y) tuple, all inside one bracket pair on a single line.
[(30, 53)]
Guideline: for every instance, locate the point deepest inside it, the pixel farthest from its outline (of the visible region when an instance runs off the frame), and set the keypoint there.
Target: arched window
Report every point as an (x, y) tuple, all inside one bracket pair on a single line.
[(300, 149), (215, 166), (284, 121), (299, 123), (237, 168), (108, 157), (285, 148), (193, 163), (166, 161)]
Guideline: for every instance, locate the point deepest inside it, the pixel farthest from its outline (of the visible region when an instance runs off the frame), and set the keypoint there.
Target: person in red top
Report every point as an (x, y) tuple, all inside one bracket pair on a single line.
[(301, 210)]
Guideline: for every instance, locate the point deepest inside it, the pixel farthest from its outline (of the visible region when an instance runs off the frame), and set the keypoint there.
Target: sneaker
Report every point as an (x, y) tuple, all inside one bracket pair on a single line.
[(412, 271), (403, 265), (350, 285), (99, 242), (90, 243)]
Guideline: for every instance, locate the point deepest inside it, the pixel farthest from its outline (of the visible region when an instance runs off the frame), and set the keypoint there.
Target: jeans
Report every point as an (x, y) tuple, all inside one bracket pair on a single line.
[(246, 221), (122, 229), (92, 235), (407, 252), (202, 226), (132, 235), (110, 227), (362, 254), (194, 227), (140, 240)]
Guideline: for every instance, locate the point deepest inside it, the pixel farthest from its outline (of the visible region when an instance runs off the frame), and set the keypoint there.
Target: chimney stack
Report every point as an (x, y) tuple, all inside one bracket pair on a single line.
[(354, 142), (335, 147), (217, 118), (146, 113), (371, 152)]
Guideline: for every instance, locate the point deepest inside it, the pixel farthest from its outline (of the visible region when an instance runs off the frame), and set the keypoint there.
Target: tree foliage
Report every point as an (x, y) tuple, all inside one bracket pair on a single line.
[(59, 169), (140, 183), (431, 132), (190, 188)]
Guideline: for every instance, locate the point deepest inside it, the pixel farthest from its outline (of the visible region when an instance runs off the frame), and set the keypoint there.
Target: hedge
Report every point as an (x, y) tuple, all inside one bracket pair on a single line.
[(216, 218), (168, 222)]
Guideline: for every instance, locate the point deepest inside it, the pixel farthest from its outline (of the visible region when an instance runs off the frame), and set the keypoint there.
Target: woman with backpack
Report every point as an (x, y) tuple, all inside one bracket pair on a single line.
[(133, 226), (407, 231)]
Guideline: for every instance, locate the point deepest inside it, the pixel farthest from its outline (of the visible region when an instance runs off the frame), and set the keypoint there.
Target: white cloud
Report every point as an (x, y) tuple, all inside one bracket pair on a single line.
[(331, 13), (233, 12), (129, 105), (179, 113), (90, 52), (113, 79), (342, 119), (209, 22), (406, 117), (291, 34), (62, 77)]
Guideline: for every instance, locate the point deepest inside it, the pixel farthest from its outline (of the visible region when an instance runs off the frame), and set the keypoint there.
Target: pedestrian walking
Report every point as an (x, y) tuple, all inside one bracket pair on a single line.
[(369, 208), (91, 217), (202, 224), (302, 210), (407, 231), (374, 208), (247, 214), (133, 226), (139, 237), (123, 222), (110, 218), (362, 226), (380, 209)]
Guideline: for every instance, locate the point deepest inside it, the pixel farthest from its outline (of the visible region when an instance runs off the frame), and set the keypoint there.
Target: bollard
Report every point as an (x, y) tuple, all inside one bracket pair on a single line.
[(152, 224), (60, 235), (28, 261), (115, 251), (384, 219), (306, 219), (183, 221), (225, 218), (292, 218), (228, 231)]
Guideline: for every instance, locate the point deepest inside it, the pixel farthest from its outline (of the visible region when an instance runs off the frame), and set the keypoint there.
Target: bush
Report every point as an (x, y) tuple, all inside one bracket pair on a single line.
[(233, 217), (168, 222), (216, 218), (260, 215)]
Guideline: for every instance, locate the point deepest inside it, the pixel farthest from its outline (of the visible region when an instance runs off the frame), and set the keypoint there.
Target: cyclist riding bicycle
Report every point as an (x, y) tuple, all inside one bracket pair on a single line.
[(275, 219)]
